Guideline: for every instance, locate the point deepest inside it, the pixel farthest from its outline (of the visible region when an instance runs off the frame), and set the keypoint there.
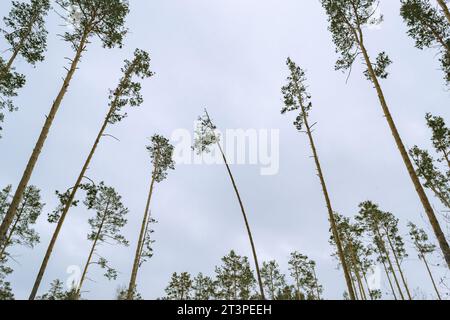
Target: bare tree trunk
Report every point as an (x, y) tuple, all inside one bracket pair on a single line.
[(389, 279), (391, 267), (77, 186), (401, 147), (317, 284), (444, 9), (328, 203), (397, 262), (91, 253), (247, 225), (356, 268), (137, 258), (9, 217), (367, 285), (431, 276)]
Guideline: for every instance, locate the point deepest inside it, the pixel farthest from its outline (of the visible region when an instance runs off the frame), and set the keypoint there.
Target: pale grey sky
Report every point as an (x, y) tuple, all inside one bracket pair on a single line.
[(228, 55)]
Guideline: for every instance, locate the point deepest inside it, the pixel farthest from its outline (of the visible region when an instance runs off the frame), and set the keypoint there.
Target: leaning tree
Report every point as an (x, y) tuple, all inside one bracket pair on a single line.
[(347, 19), (26, 36), (161, 154), (127, 93), (297, 98), (206, 137), (104, 19), (429, 28), (106, 227)]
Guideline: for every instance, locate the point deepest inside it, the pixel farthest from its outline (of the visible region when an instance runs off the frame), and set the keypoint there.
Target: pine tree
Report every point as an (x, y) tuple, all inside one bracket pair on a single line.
[(347, 20), (57, 292), (105, 227), (305, 280), (274, 281), (206, 137), (21, 232), (27, 37), (424, 248), (203, 287), (101, 18), (161, 153), (126, 94), (6, 292), (296, 98), (235, 279), (427, 26), (390, 226), (371, 220), (180, 287), (426, 167)]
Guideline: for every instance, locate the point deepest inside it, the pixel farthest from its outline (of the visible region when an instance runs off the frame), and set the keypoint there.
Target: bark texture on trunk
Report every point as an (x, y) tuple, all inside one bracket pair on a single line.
[(9, 217)]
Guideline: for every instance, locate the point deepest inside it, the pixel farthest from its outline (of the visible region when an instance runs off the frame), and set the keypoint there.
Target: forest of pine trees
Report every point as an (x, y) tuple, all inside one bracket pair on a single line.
[(361, 242)]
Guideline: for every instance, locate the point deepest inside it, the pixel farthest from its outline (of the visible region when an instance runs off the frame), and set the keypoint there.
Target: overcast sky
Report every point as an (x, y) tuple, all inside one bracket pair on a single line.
[(228, 55)]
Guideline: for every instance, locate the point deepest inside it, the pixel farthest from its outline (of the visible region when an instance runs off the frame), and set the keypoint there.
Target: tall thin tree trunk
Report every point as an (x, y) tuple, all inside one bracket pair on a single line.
[(444, 9), (431, 275), (403, 152), (74, 191), (357, 270), (137, 258), (397, 262), (91, 253), (19, 46), (328, 203), (387, 276), (388, 259), (247, 225), (317, 284), (9, 217), (367, 285), (354, 287)]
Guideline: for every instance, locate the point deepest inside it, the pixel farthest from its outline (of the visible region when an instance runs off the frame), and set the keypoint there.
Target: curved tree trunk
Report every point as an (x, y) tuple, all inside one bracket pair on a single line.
[(444, 9), (9, 217), (247, 225)]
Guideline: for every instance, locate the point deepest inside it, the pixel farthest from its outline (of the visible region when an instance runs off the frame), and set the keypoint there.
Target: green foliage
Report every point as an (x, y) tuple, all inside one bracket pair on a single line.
[(21, 232), (273, 280), (122, 294), (26, 29), (295, 94), (6, 292), (420, 240), (57, 292), (161, 153), (104, 19), (203, 287), (303, 272), (347, 18), (129, 92), (429, 28), (10, 82), (441, 135), (433, 177), (147, 244), (235, 279), (380, 67), (53, 217), (180, 287), (108, 222)]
